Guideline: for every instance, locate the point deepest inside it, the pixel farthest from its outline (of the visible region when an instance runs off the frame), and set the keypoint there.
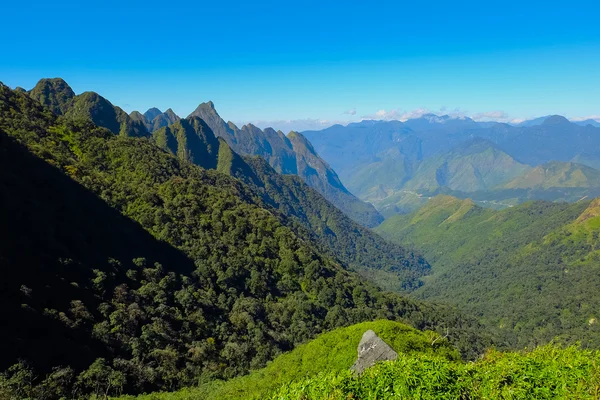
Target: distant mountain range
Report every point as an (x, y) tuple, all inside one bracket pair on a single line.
[(397, 165)]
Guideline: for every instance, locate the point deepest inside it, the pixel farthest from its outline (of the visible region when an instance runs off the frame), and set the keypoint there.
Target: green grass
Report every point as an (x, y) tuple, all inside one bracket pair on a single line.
[(334, 351), (546, 373)]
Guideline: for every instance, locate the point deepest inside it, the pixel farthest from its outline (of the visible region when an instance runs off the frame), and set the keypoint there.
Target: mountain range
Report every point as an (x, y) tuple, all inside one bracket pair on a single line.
[(136, 262), (291, 154), (397, 165)]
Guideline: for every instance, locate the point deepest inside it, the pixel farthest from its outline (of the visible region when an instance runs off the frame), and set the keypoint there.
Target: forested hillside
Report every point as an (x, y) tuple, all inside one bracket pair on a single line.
[(156, 271), (530, 272), (298, 206), (292, 154)]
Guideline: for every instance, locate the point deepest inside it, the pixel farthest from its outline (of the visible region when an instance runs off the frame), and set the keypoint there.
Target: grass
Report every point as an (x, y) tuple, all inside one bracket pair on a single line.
[(334, 351), (548, 372)]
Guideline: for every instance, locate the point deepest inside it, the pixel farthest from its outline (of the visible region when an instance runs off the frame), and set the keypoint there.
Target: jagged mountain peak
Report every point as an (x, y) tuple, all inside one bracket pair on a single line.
[(251, 128), (152, 113), (170, 112), (207, 107)]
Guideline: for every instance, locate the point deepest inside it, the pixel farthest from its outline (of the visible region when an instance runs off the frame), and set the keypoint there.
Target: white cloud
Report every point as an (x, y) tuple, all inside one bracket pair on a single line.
[(491, 116), (594, 117), (306, 124), (351, 111), (399, 115)]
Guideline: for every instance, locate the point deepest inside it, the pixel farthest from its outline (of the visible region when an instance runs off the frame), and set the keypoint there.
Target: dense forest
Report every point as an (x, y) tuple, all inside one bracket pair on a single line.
[(529, 272), (298, 206), (127, 269)]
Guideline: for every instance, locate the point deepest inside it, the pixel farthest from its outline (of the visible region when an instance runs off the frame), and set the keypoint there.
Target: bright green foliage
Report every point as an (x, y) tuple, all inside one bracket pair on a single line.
[(530, 272), (332, 351), (545, 373)]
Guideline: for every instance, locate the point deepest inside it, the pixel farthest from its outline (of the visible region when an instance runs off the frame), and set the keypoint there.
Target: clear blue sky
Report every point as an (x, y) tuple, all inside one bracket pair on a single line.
[(280, 60)]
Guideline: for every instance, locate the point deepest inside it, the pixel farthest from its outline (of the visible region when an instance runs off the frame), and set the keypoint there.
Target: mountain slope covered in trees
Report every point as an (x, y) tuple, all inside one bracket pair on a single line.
[(298, 206), (159, 272), (292, 154), (530, 272)]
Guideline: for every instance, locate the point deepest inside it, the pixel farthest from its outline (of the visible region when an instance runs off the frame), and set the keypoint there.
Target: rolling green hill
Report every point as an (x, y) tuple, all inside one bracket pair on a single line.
[(529, 271), (333, 351), (475, 165)]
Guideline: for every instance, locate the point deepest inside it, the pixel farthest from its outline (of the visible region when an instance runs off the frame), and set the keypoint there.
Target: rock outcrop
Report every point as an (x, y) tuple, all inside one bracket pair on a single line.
[(371, 350)]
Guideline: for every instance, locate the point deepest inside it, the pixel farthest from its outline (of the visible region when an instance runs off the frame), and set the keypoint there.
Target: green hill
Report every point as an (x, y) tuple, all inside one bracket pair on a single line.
[(472, 166), (128, 269), (529, 271), (333, 351), (476, 166), (557, 174), (544, 373), (55, 94)]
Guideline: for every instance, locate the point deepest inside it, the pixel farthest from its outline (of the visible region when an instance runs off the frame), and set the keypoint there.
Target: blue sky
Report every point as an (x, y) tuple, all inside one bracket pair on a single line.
[(312, 61)]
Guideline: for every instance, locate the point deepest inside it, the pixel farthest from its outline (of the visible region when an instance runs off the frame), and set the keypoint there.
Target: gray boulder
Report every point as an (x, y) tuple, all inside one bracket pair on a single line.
[(372, 349)]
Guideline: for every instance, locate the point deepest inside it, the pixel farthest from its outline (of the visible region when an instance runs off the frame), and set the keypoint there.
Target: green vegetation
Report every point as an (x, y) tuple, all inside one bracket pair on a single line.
[(54, 94), (546, 373), (298, 206), (475, 165), (334, 351), (126, 269), (529, 272), (557, 175), (293, 155)]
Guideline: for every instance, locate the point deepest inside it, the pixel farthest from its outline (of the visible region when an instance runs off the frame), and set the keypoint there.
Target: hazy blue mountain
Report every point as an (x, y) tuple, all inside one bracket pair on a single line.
[(533, 122), (152, 113), (555, 139), (592, 122), (398, 165), (154, 119), (441, 133)]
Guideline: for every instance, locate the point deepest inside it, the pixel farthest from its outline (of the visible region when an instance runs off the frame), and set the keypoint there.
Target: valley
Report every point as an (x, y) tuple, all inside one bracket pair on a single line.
[(189, 258)]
